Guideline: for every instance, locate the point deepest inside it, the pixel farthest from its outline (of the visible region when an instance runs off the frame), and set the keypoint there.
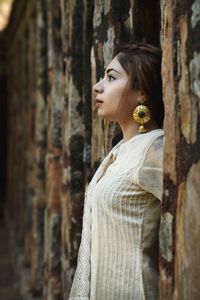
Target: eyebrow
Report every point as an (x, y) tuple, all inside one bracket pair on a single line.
[(111, 69)]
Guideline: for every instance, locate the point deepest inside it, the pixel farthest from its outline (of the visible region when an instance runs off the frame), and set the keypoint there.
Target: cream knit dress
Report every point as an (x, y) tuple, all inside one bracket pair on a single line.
[(118, 255)]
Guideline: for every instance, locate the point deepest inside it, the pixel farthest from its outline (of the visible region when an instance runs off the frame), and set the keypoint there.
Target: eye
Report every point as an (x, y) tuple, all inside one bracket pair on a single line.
[(111, 78)]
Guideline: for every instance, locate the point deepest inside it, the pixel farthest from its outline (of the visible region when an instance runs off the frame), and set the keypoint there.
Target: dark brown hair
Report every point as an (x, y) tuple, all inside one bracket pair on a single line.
[(142, 63)]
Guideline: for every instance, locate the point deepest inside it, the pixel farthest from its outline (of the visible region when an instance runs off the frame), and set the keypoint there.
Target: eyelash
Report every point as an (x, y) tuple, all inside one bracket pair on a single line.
[(110, 78)]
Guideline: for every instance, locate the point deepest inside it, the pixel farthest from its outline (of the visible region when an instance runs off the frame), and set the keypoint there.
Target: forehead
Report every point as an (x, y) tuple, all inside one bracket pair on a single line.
[(116, 65)]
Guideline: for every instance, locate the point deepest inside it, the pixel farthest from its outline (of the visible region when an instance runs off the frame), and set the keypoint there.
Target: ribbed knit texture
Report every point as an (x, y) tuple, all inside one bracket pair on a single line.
[(118, 255)]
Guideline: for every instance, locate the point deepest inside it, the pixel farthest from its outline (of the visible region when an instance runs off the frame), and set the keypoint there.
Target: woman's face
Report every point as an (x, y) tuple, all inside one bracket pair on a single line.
[(113, 101)]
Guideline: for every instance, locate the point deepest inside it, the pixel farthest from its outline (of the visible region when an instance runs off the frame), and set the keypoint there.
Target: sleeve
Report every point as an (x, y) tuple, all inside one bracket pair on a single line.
[(150, 174)]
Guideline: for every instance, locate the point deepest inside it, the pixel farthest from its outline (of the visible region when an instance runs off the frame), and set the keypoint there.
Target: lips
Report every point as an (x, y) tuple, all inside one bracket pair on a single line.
[(98, 100), (98, 103)]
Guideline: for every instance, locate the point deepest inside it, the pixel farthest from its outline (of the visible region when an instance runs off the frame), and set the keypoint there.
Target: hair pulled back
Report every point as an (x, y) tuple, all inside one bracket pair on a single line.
[(142, 63)]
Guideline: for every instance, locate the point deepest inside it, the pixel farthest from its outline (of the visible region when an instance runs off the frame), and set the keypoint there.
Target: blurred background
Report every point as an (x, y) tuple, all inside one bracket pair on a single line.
[(51, 54)]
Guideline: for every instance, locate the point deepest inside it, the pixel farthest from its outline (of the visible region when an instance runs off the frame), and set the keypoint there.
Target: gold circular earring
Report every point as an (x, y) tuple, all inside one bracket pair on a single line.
[(142, 115)]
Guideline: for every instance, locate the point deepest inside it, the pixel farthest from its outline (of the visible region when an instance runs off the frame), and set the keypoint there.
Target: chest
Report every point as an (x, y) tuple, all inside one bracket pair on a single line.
[(115, 187)]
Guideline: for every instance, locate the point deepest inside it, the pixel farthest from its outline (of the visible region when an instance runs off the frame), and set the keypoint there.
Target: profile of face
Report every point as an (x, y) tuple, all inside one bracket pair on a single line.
[(115, 100)]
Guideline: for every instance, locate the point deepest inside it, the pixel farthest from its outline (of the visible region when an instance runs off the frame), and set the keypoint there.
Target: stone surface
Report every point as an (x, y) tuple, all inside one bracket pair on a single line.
[(180, 70), (56, 50), (9, 285)]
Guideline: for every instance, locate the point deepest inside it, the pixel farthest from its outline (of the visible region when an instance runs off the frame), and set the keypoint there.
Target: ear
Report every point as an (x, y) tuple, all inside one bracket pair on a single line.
[(140, 95)]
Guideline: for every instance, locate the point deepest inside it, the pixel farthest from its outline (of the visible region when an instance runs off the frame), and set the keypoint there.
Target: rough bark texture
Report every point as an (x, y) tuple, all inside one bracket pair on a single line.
[(56, 51), (180, 226)]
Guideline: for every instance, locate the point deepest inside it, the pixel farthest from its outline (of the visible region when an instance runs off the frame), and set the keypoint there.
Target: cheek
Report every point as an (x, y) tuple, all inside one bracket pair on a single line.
[(114, 105), (110, 109), (116, 94), (115, 100), (124, 104)]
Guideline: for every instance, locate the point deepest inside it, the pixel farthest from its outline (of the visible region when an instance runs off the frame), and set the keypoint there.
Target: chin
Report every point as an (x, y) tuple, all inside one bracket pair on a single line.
[(105, 116), (101, 114)]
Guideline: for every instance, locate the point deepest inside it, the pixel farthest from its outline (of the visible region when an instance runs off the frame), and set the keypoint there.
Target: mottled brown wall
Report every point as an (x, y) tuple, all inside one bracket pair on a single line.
[(56, 51), (180, 258), (3, 92)]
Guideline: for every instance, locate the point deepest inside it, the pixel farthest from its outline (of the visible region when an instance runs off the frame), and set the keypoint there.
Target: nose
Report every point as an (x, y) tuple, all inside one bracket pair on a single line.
[(98, 87)]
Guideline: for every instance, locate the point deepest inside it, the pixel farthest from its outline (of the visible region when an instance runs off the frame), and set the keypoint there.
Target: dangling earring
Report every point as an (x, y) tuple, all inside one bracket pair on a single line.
[(142, 115)]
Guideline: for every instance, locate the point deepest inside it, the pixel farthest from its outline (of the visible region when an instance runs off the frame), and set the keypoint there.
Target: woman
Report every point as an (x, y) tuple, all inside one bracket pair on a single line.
[(118, 255)]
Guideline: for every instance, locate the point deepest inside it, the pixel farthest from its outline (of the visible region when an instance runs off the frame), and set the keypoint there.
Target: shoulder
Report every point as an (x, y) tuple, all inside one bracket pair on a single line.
[(147, 144), (158, 142), (150, 172), (149, 148), (155, 149), (133, 152), (154, 138)]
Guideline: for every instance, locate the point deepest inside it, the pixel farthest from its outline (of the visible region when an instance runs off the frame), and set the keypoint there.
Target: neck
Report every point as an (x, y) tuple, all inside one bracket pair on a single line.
[(130, 129)]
